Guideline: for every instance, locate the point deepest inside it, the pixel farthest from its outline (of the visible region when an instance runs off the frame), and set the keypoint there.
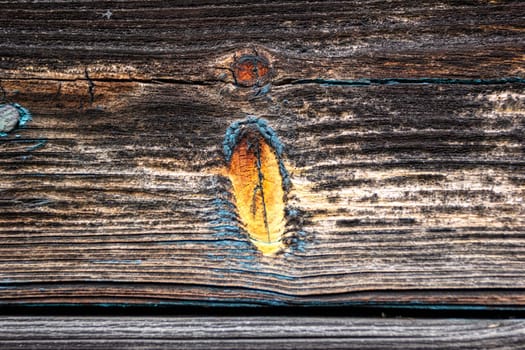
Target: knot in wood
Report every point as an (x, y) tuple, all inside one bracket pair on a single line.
[(259, 181), (251, 70)]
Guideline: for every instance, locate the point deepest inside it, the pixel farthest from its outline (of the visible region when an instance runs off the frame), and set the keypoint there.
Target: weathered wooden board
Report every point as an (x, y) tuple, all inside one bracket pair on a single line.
[(183, 40), (407, 186), (258, 333)]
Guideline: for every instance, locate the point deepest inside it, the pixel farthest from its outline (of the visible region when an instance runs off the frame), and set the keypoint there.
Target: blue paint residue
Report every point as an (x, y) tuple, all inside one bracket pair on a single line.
[(40, 143), (230, 242), (224, 219), (214, 257), (299, 242), (24, 117), (263, 90), (227, 229)]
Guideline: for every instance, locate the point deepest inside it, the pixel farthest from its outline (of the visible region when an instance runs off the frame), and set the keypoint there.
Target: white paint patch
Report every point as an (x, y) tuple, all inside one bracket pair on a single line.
[(9, 117)]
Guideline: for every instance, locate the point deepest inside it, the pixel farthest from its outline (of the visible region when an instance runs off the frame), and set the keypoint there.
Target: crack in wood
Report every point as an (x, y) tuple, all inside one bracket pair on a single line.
[(401, 81), (91, 86), (282, 82)]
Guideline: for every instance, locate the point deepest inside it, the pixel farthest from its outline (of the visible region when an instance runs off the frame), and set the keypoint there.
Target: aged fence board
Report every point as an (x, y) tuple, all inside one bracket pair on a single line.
[(183, 41), (408, 186), (258, 333)]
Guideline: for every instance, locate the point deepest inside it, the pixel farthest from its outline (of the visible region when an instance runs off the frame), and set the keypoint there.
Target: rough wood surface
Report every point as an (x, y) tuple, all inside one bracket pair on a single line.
[(403, 125), (258, 333), (184, 40)]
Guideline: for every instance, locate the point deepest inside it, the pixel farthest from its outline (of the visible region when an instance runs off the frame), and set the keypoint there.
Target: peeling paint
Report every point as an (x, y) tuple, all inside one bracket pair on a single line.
[(13, 115)]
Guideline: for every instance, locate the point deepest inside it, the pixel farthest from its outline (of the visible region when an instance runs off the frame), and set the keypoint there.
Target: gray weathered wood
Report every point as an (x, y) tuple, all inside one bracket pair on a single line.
[(409, 191), (258, 333), (184, 41)]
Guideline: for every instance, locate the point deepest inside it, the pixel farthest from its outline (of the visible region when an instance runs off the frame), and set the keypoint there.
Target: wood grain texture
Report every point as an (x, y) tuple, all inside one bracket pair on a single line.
[(408, 187), (186, 40), (258, 333)]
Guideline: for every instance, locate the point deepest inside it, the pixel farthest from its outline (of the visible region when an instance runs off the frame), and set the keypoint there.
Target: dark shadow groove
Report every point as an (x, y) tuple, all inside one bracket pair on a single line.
[(264, 305), (398, 81), (158, 309)]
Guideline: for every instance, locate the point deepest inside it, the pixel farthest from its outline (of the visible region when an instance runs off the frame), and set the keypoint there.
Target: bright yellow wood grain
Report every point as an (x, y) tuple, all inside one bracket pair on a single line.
[(258, 191)]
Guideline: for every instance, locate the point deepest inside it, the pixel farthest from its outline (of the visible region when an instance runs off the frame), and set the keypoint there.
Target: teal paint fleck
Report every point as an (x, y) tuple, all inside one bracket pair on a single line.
[(40, 144), (223, 230), (229, 243), (220, 202), (25, 115), (225, 224), (263, 90), (225, 216), (214, 257)]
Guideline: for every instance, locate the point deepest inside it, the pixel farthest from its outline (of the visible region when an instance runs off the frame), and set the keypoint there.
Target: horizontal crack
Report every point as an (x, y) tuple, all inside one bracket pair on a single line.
[(121, 80), (397, 81), (291, 81)]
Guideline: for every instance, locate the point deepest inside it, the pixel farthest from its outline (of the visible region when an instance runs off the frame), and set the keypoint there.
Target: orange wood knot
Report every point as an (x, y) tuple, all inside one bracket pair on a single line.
[(251, 70), (259, 181)]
